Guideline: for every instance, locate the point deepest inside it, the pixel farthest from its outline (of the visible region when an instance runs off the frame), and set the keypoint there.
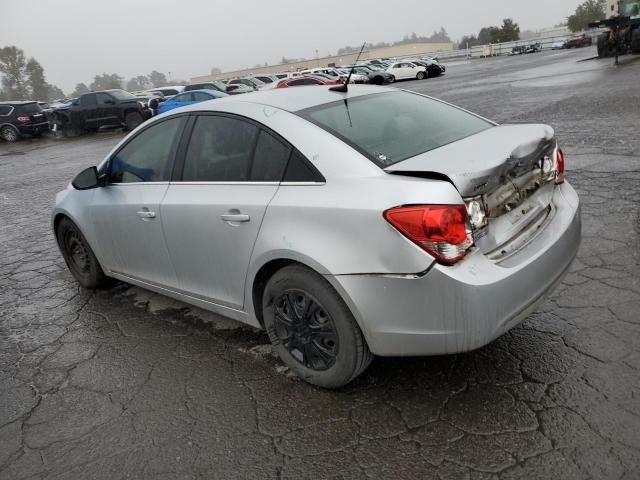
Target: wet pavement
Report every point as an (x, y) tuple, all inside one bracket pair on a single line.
[(124, 383)]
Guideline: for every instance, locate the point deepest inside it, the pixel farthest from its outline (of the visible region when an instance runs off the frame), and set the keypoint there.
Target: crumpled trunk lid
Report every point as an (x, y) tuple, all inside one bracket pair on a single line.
[(480, 163), (503, 166)]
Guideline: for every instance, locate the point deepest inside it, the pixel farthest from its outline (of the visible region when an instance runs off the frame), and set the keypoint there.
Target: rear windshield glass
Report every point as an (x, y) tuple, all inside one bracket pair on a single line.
[(391, 127), (28, 108)]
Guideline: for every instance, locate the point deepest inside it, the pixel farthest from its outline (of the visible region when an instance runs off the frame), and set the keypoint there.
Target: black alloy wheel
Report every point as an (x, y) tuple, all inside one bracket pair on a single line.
[(306, 330), (9, 134), (312, 329)]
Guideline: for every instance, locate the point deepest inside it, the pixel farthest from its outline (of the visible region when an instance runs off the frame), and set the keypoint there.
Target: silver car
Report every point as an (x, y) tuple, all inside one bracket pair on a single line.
[(372, 222)]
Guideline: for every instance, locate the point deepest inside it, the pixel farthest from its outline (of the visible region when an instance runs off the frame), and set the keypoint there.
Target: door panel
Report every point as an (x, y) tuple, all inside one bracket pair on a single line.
[(211, 254), (129, 215)]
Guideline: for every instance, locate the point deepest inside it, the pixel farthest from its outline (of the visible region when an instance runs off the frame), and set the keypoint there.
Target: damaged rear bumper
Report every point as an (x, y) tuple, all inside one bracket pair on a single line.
[(456, 309)]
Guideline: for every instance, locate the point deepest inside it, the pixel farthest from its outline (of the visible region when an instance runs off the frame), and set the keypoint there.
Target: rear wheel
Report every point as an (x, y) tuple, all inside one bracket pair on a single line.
[(312, 329), (9, 134), (378, 80), (132, 120), (79, 257), (635, 41), (69, 130), (420, 76), (602, 45)]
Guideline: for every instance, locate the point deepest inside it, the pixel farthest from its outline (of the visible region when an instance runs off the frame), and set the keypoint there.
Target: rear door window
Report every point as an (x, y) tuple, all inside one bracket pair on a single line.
[(270, 158), (88, 100), (104, 99), (219, 150), (28, 108), (201, 97), (185, 97)]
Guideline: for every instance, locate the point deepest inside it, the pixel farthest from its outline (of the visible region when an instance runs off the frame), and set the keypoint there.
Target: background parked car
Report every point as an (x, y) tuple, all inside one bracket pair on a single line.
[(374, 75), (266, 79), (253, 83), (578, 41), (189, 98), (169, 90), (238, 88), (219, 86), (22, 118), (91, 111), (434, 69), (407, 70), (355, 77), (306, 80)]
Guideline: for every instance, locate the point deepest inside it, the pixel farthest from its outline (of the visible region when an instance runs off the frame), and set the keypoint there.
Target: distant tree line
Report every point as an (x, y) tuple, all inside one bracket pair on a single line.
[(106, 81), (436, 37), (587, 12), (508, 32), (24, 79)]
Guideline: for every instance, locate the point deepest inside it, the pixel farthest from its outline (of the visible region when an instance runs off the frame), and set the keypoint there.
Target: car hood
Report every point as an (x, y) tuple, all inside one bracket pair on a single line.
[(481, 162)]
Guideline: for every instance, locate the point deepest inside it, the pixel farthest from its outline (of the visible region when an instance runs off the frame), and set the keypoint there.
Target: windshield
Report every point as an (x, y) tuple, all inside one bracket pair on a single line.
[(122, 95), (391, 127)]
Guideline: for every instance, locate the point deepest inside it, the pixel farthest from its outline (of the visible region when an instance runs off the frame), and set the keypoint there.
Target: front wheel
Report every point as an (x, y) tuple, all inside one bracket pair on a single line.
[(635, 41), (79, 257), (420, 75), (312, 329), (9, 134), (132, 120), (378, 80), (69, 130)]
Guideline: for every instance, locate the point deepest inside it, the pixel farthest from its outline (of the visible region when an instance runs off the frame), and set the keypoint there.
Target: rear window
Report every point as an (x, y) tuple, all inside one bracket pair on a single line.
[(28, 109), (391, 127)]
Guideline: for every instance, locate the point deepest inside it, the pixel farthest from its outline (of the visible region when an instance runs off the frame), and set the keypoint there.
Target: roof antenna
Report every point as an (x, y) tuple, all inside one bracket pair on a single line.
[(345, 86)]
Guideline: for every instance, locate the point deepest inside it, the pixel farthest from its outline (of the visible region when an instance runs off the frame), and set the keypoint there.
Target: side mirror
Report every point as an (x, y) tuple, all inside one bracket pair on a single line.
[(154, 103), (87, 179)]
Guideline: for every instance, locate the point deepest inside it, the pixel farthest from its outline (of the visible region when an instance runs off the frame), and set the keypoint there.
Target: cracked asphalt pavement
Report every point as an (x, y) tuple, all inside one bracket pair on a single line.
[(124, 383)]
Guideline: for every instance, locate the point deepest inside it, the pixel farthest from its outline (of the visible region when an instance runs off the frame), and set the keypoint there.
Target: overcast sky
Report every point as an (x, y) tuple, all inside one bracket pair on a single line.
[(76, 39)]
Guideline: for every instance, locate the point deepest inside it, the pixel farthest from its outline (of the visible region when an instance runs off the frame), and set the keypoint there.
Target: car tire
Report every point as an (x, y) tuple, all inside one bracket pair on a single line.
[(378, 80), (69, 130), (635, 41), (132, 120), (9, 134), (393, 79), (79, 257), (312, 329), (420, 76)]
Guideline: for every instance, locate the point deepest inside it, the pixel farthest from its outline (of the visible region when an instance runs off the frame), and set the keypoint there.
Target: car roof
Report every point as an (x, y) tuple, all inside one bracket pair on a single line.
[(295, 99), (202, 90), (18, 102)]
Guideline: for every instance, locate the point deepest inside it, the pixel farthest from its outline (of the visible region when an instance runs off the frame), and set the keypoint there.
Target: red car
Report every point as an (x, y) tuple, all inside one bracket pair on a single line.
[(578, 41), (306, 80)]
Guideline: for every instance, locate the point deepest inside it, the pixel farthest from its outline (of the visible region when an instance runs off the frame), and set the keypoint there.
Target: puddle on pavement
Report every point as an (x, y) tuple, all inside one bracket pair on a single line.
[(156, 303)]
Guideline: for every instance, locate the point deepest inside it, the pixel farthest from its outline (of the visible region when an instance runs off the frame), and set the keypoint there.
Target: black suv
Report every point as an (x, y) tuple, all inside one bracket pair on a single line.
[(109, 108), (21, 118)]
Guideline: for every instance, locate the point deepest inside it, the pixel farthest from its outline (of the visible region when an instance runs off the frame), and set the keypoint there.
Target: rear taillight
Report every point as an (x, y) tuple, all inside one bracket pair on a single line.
[(559, 154), (23, 119), (441, 230)]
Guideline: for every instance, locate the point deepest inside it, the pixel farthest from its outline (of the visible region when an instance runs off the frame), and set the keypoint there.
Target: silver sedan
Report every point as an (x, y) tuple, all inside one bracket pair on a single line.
[(347, 224)]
